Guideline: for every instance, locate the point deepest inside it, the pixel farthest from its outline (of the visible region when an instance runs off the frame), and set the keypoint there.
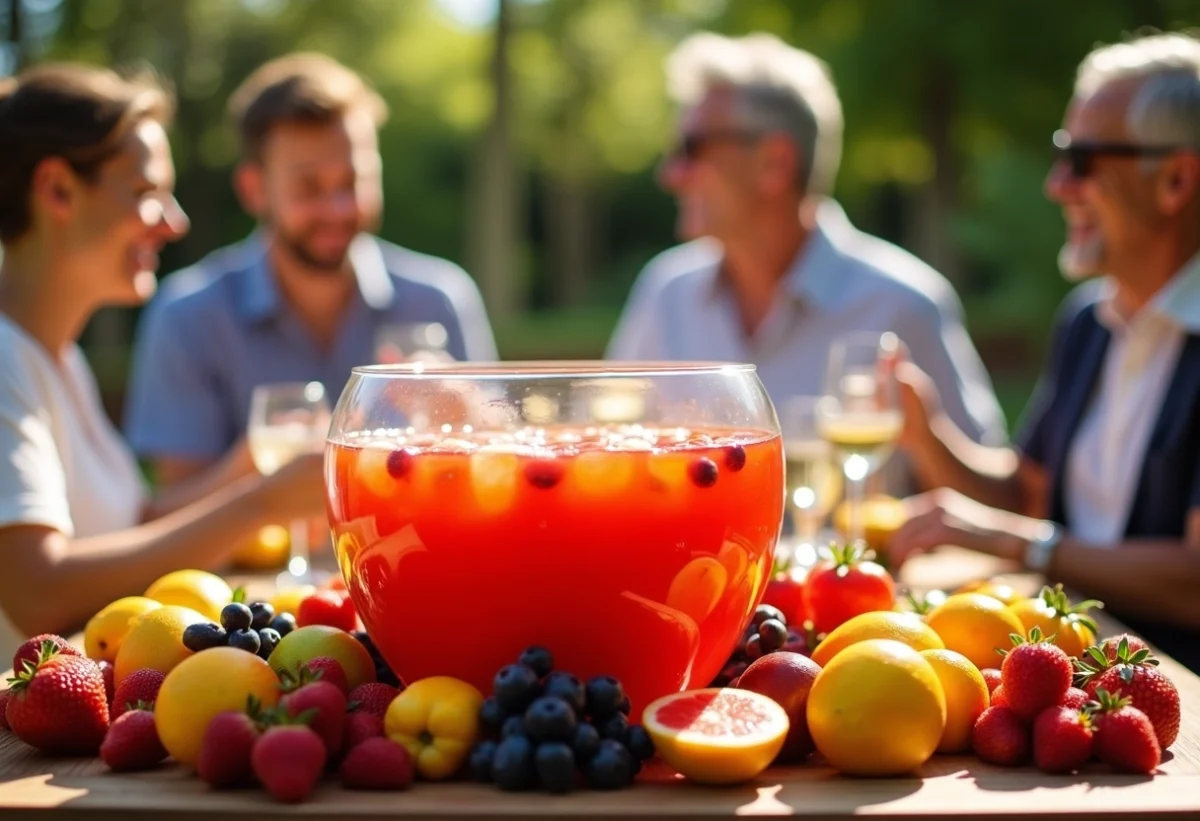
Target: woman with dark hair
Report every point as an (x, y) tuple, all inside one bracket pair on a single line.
[(86, 202)]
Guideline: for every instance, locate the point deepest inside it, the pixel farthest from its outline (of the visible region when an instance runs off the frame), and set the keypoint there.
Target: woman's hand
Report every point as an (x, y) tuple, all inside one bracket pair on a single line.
[(297, 490), (947, 517)]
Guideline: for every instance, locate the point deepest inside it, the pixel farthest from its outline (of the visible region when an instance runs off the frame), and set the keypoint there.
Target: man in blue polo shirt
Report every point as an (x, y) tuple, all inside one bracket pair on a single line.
[(303, 297)]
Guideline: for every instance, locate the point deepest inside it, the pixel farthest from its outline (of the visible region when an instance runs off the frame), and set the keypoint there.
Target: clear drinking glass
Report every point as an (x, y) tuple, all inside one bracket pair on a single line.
[(814, 479), (399, 342), (859, 415), (288, 420), (622, 515)]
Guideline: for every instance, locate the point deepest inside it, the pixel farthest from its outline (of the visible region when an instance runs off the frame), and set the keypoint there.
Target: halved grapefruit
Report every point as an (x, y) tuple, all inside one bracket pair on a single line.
[(717, 735)]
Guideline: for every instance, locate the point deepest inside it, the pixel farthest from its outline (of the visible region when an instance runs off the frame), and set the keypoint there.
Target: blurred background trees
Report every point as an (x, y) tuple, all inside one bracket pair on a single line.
[(524, 135)]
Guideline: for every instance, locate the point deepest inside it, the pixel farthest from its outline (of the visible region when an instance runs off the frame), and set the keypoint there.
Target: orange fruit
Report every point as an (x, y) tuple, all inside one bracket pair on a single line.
[(307, 643), (976, 626), (966, 697), (990, 587), (1055, 615), (213, 681), (267, 550), (716, 735), (155, 641), (906, 628), (877, 709)]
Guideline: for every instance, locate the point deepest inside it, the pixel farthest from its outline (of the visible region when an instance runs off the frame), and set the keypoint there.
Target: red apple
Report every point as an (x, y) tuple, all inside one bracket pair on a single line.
[(786, 679)]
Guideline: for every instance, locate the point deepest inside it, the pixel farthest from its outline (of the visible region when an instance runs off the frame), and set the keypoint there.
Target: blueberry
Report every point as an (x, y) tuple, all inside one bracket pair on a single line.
[(268, 640), (491, 716), (399, 463), (754, 648), (604, 694), (550, 719), (203, 636), (512, 765), (261, 614), (735, 458), (772, 635), (625, 707), (245, 640), (513, 725), (283, 623), (515, 687), (236, 616), (537, 659), (567, 687), (365, 640), (615, 728), (703, 472), (479, 764), (586, 741), (641, 747), (766, 611), (544, 473), (555, 764), (611, 768)]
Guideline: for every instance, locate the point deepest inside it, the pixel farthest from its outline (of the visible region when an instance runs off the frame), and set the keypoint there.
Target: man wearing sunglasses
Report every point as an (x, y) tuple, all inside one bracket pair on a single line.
[(1102, 492), (772, 271)]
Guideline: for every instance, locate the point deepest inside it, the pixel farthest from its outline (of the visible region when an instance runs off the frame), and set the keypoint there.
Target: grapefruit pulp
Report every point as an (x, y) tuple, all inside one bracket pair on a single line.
[(717, 735)]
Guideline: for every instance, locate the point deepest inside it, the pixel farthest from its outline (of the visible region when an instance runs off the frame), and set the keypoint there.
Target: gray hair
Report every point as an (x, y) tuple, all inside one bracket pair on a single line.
[(777, 87), (1165, 109)]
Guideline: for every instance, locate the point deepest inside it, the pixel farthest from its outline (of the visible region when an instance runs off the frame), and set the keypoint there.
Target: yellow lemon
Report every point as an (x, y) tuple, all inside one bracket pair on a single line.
[(155, 641), (717, 735), (437, 720), (288, 601), (878, 709), (203, 592), (906, 628), (976, 626), (966, 697), (106, 630), (213, 681)]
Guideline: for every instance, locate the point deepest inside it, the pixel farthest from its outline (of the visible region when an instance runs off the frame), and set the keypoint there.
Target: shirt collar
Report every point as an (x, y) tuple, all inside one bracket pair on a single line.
[(1178, 301), (259, 298)]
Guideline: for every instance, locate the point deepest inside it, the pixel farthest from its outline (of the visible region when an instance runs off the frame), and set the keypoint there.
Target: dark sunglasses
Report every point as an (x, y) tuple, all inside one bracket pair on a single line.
[(690, 145), (1080, 156)]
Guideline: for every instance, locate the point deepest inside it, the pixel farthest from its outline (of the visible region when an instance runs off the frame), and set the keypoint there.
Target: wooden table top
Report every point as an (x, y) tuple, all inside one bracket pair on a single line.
[(947, 787)]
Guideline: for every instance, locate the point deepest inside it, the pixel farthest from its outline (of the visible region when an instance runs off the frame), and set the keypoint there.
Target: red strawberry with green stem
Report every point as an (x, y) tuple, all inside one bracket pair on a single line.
[(59, 705), (132, 743), (999, 737), (1111, 646), (326, 703), (330, 670), (31, 650), (360, 727), (1035, 674), (225, 751), (288, 759), (139, 686), (1135, 673), (373, 697), (1124, 738), (1062, 739), (377, 764)]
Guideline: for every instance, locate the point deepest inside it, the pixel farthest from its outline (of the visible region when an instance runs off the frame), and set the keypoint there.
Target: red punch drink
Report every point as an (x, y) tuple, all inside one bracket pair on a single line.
[(625, 550)]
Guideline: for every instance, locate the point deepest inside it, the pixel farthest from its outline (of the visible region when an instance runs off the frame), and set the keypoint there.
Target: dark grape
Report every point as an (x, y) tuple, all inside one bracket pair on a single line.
[(766, 611), (772, 635), (754, 649)]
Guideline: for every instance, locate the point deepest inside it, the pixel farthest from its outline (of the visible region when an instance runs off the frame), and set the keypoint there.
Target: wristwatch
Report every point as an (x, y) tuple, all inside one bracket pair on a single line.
[(1039, 551)]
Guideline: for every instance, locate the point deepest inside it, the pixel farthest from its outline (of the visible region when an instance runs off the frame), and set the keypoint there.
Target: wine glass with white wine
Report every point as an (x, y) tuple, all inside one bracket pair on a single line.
[(814, 479), (288, 420), (859, 415)]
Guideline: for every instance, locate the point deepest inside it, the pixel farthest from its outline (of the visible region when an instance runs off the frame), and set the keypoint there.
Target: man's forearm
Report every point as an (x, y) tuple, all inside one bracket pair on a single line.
[(180, 484)]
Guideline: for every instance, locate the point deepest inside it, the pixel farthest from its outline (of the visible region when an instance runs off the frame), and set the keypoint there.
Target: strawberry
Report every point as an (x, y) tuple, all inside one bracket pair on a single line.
[(4, 694), (1125, 738), (1075, 698), (131, 743), (106, 670), (1062, 739), (328, 607), (377, 764), (1136, 675), (374, 697), (1000, 737), (225, 752), (328, 707), (327, 669), (139, 686), (359, 727), (1035, 674), (1110, 646), (991, 677), (32, 648), (59, 706), (288, 760), (998, 699)]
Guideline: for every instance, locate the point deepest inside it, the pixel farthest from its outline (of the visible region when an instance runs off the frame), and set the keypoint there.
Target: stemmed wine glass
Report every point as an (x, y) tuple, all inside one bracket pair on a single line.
[(288, 420), (814, 481), (399, 342), (859, 415)]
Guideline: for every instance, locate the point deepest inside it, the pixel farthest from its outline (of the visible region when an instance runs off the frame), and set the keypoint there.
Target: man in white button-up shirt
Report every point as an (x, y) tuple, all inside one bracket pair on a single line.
[(772, 270), (1103, 489)]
